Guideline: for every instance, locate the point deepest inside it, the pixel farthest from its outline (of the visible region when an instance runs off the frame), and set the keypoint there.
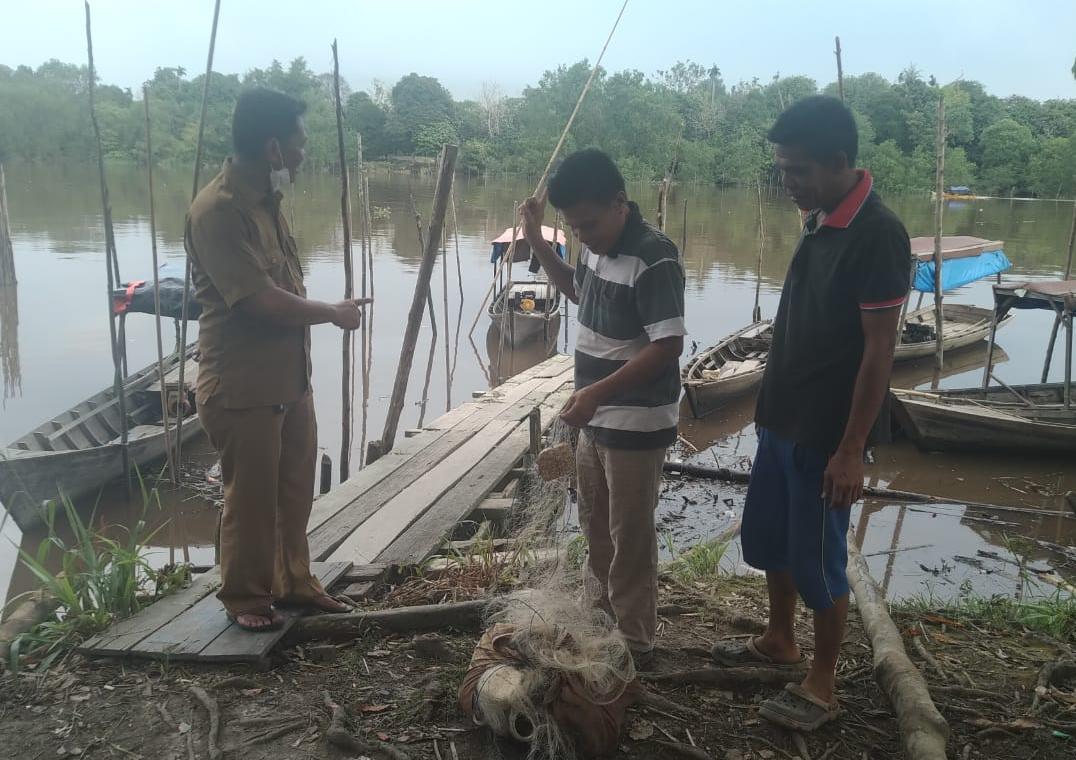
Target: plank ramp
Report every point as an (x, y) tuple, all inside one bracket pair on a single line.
[(192, 625), (395, 512)]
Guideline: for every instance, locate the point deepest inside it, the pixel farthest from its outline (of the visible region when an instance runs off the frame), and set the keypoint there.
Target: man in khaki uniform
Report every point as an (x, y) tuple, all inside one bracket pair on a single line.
[(254, 396)]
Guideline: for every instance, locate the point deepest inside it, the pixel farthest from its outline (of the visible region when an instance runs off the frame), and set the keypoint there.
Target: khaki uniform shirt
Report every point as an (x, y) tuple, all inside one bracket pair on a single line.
[(239, 244)]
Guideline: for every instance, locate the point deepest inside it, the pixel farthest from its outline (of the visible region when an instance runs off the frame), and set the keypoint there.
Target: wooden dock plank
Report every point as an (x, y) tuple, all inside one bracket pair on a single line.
[(427, 533), (235, 644), (325, 539), (127, 633), (185, 637), (382, 528)]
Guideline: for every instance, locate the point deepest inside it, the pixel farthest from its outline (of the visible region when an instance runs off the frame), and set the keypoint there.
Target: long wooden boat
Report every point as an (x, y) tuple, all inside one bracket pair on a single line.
[(79, 451), (727, 370), (533, 312), (962, 325), (998, 418)]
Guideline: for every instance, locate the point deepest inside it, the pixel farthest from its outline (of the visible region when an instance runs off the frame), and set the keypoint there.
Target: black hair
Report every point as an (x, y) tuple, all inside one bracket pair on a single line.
[(260, 115), (822, 125), (586, 175)]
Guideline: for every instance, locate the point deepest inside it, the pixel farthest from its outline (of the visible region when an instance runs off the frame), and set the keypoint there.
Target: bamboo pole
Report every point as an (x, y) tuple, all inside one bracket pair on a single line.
[(939, 205), (168, 448), (194, 194), (456, 238), (683, 241), (663, 200), (7, 251), (840, 68), (348, 339), (756, 312), (421, 248), (110, 266), (444, 282), (422, 289), (556, 152)]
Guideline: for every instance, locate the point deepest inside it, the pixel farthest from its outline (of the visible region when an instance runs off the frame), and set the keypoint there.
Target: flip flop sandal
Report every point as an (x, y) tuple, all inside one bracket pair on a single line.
[(797, 709), (737, 653), (309, 607), (276, 619)]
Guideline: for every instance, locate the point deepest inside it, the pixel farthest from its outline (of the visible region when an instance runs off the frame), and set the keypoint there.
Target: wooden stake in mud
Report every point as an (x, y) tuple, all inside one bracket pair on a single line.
[(194, 193), (939, 206), (840, 68), (756, 313), (346, 387), (168, 449), (7, 251), (110, 264), (418, 301)]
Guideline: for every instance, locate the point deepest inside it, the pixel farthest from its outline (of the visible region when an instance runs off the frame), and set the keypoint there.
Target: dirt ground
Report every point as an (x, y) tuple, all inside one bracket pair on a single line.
[(404, 696)]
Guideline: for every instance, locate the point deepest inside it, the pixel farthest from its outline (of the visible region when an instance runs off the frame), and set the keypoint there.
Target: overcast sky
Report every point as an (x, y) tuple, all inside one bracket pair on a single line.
[(1025, 47)]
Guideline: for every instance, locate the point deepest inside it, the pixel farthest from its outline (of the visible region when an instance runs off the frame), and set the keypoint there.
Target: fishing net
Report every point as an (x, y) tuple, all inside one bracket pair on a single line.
[(551, 670)]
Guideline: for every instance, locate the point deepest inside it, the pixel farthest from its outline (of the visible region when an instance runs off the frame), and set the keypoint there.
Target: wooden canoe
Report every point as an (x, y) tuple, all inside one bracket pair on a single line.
[(727, 370), (524, 325), (1017, 418), (962, 325), (79, 451)]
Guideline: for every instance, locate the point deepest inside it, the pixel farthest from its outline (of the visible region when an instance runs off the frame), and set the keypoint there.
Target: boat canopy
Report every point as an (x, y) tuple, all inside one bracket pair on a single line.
[(960, 189), (501, 243), (959, 272), (953, 247), (1057, 296), (136, 296)]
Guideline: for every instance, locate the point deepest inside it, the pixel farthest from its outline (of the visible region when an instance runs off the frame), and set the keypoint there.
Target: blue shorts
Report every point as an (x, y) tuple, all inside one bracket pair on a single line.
[(788, 526)]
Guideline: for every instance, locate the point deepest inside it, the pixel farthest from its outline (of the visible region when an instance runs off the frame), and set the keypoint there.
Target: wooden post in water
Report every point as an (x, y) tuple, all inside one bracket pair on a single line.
[(1068, 275), (939, 206), (173, 467), (683, 240), (840, 68), (110, 266), (194, 193), (444, 282), (326, 483), (418, 300), (756, 313), (346, 387), (663, 202), (7, 251)]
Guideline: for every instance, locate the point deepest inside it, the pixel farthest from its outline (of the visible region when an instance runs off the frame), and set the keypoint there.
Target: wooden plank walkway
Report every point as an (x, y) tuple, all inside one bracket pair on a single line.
[(395, 512)]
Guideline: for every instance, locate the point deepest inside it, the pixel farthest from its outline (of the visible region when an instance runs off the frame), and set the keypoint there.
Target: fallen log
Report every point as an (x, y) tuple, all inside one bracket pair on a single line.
[(728, 475), (346, 626), (923, 730), (35, 609)]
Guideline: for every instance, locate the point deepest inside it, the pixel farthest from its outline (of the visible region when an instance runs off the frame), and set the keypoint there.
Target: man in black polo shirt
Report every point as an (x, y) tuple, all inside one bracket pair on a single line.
[(825, 382)]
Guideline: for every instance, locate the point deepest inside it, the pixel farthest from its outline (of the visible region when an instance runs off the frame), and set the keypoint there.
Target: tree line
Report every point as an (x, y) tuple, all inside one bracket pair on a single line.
[(684, 119)]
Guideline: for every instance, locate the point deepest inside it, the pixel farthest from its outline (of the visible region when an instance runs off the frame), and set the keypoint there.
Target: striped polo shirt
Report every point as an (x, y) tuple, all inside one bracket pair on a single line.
[(627, 298)]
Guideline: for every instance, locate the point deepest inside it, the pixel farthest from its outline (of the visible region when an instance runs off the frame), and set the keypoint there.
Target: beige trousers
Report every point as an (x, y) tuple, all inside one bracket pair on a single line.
[(267, 457), (618, 495)]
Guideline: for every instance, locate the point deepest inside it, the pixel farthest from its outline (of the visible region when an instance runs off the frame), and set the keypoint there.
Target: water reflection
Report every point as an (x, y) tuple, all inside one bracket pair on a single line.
[(64, 351)]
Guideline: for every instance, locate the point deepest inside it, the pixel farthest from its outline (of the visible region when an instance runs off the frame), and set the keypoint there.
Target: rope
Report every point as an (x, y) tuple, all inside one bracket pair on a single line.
[(552, 158)]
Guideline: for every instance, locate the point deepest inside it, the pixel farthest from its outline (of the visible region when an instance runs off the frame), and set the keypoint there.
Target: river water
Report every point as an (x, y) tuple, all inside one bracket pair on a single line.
[(61, 355)]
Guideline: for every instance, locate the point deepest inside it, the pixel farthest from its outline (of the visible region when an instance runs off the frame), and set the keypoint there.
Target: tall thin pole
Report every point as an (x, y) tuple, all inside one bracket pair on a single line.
[(1072, 243), (422, 289), (939, 205), (194, 193), (349, 284), (365, 327), (683, 241), (840, 68), (756, 313), (1057, 319), (157, 297), (7, 251), (444, 282), (110, 266)]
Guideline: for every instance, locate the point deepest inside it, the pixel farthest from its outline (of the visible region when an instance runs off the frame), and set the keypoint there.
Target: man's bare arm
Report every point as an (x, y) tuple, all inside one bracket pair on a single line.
[(559, 272), (844, 475)]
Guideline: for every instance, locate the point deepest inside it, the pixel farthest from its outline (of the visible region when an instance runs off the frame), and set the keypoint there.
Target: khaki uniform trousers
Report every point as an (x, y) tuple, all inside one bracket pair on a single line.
[(618, 495), (267, 457)]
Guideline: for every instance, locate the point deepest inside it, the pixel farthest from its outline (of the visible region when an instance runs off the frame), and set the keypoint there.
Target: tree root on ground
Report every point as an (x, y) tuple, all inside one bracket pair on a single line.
[(924, 732), (211, 707), (685, 750), (1051, 672)]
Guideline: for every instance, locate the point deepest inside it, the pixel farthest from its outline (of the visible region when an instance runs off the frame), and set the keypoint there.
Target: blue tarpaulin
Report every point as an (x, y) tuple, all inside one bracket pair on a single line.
[(957, 272)]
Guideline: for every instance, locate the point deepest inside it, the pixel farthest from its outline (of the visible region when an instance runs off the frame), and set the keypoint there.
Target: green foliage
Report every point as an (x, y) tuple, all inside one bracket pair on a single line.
[(100, 579), (699, 564), (685, 116), (1054, 615)]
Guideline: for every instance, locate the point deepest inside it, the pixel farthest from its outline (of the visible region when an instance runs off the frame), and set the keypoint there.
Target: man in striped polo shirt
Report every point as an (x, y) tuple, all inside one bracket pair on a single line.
[(629, 284)]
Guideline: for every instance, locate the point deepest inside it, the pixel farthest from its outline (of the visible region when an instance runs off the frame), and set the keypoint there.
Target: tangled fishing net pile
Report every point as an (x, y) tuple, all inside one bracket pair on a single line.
[(550, 670)]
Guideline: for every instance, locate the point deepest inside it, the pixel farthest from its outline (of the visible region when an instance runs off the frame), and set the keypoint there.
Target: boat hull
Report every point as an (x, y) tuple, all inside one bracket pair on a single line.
[(704, 395), (964, 325)]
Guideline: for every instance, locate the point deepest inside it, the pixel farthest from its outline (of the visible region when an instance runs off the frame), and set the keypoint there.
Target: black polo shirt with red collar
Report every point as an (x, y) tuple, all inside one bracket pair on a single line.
[(855, 258)]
